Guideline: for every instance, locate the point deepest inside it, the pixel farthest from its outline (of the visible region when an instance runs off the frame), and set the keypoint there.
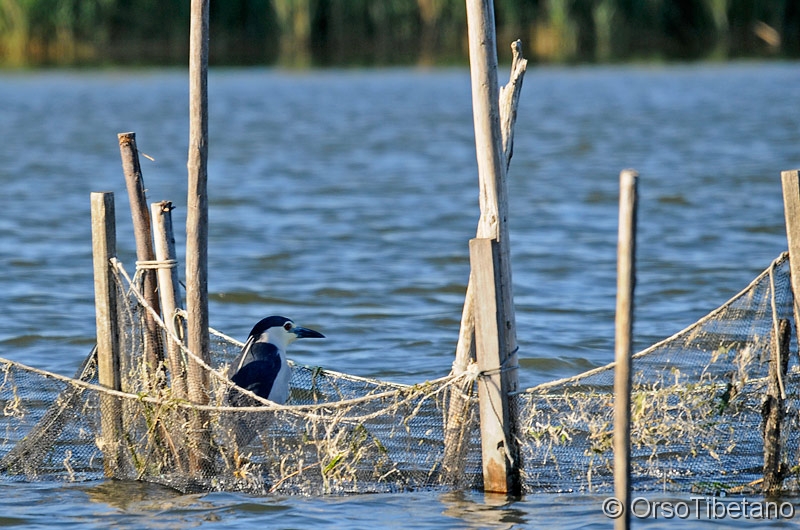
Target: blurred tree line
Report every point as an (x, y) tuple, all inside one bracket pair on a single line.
[(368, 32)]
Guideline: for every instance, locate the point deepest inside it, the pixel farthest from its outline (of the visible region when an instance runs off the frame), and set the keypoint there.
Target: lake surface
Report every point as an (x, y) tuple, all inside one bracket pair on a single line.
[(345, 200)]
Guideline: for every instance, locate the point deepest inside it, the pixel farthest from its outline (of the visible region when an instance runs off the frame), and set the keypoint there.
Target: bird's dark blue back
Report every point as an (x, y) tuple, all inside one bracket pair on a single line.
[(258, 375)]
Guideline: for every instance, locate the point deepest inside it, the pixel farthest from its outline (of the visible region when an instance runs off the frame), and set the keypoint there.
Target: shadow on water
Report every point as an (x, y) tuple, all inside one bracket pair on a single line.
[(130, 496), (483, 510)]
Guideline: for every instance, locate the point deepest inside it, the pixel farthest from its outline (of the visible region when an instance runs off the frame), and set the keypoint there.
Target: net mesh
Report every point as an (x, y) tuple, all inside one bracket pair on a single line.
[(697, 406), (700, 405)]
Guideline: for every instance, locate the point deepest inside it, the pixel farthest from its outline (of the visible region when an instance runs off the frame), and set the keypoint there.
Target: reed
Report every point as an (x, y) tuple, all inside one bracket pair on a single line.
[(312, 32)]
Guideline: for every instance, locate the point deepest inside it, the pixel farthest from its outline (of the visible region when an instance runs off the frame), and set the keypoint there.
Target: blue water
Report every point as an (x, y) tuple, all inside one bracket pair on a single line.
[(345, 200)]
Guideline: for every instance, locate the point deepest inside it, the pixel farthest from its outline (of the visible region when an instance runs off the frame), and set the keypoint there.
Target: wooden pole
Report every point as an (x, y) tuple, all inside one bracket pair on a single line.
[(197, 227), (169, 293), (773, 409), (790, 182), (197, 201), (626, 278), (493, 200), (499, 445), (486, 119), (142, 231), (104, 247), (456, 434)]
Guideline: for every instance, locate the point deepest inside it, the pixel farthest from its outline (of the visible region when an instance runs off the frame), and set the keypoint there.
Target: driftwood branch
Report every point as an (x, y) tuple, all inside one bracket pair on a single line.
[(509, 99)]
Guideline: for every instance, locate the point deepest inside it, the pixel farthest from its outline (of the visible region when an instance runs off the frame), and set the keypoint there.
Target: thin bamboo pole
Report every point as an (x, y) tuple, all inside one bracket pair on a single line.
[(168, 291), (104, 247), (142, 231), (493, 200), (197, 229), (626, 278)]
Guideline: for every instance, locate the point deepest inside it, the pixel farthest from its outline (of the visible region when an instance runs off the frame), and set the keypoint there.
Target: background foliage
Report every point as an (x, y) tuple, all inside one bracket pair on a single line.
[(346, 32)]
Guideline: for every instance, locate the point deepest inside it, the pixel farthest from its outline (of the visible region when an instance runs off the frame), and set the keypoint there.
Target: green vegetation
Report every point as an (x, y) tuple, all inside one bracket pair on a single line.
[(327, 32)]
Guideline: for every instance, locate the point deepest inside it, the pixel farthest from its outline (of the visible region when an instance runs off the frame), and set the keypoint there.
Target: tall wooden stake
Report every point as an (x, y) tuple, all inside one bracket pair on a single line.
[(504, 476), (104, 247), (197, 226), (626, 277), (458, 410), (142, 232)]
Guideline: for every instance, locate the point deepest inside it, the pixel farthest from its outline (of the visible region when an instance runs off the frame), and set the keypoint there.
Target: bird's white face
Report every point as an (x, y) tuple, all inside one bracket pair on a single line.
[(279, 336)]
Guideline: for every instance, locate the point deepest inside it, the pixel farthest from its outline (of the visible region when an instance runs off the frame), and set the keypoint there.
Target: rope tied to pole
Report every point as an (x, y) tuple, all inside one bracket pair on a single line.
[(506, 366), (155, 264), (471, 375)]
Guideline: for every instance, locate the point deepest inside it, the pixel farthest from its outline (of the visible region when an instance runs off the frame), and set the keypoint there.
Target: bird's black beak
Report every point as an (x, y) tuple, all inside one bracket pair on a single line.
[(305, 333)]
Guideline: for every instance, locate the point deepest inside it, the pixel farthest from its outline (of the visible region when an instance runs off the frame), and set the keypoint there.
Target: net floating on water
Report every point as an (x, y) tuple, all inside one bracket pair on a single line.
[(698, 416)]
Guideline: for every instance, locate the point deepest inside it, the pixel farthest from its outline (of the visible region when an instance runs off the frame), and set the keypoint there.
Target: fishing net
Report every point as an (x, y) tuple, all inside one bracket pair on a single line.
[(337, 433), (702, 403), (699, 406)]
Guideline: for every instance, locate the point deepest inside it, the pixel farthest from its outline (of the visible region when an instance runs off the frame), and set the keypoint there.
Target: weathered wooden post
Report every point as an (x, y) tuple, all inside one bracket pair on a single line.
[(142, 231), (774, 405), (502, 460), (168, 292), (456, 434), (626, 279), (790, 182), (197, 229), (773, 409), (104, 247), (499, 447)]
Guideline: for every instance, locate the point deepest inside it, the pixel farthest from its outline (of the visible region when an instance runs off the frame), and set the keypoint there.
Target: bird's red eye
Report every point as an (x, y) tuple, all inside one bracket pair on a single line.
[(287, 326)]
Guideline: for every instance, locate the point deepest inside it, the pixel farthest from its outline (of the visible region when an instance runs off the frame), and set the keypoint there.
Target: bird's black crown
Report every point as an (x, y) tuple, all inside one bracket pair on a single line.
[(270, 322)]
